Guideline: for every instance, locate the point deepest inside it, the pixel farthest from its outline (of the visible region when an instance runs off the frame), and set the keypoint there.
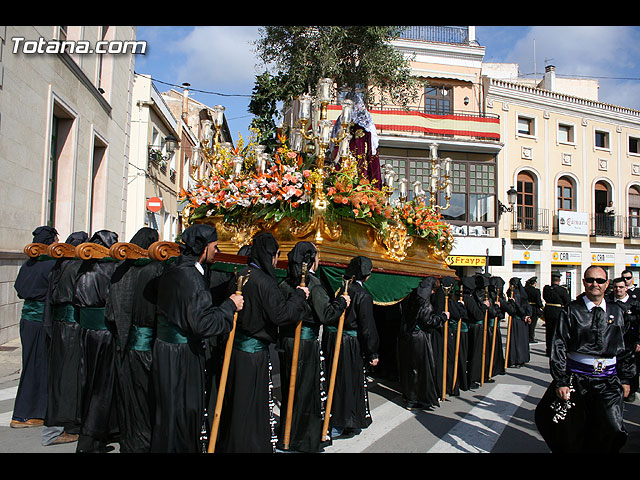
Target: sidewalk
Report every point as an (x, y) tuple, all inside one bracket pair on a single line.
[(10, 360)]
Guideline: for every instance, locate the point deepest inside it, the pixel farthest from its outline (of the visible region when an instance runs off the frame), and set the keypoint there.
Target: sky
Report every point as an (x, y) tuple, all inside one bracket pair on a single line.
[(220, 62)]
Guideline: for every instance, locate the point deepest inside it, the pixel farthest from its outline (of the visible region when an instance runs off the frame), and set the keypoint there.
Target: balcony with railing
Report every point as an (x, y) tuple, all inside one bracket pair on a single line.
[(415, 122), (605, 225), (437, 33), (531, 220)]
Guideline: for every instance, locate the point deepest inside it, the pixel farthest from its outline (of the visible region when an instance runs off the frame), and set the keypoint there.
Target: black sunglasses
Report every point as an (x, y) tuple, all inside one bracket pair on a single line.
[(627, 278), (599, 281)]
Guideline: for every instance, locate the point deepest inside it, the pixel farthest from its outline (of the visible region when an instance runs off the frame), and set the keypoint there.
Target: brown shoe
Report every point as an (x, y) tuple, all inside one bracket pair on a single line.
[(32, 422), (65, 438)]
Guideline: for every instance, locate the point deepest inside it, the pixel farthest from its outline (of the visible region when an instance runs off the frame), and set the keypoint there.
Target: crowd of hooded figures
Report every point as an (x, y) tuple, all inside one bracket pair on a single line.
[(174, 356)]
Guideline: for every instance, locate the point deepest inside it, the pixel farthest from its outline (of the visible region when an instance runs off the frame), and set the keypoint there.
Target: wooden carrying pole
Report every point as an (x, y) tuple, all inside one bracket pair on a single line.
[(506, 353), (484, 337), (241, 280), (334, 370), (493, 343), (294, 371), (455, 365), (445, 344)]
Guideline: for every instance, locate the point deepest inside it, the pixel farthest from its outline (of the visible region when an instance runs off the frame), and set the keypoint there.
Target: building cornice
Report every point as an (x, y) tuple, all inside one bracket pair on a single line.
[(519, 94)]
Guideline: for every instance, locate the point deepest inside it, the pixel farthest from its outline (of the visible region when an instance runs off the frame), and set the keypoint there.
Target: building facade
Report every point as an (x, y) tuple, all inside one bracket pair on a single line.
[(569, 157), (64, 139)]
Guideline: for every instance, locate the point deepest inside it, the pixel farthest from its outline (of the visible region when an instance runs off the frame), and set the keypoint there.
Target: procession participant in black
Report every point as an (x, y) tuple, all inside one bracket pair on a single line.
[(247, 422), (31, 285), (359, 343), (458, 331), (62, 421), (477, 306), (582, 409), (519, 353), (417, 365), (130, 313), (500, 306), (310, 392), (535, 300), (631, 308), (632, 290), (556, 298), (186, 315), (99, 423)]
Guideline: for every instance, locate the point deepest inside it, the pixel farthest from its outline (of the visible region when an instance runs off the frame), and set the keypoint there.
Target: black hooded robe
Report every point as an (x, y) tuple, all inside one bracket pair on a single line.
[(417, 366), (186, 315), (474, 297), (247, 421), (359, 343), (131, 315), (519, 339), (310, 394), (64, 394), (31, 285), (98, 413)]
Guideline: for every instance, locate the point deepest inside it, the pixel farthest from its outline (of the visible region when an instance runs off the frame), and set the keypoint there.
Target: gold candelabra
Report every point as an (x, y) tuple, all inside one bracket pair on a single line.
[(320, 136)]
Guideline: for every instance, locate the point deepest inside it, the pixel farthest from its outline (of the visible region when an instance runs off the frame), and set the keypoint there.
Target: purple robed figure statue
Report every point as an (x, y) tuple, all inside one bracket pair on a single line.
[(364, 141)]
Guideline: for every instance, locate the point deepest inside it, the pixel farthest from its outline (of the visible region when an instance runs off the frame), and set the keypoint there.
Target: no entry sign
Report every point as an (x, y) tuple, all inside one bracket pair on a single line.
[(154, 204)]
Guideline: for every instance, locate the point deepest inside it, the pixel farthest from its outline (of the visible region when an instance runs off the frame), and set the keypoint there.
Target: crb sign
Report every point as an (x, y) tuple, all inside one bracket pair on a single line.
[(566, 258)]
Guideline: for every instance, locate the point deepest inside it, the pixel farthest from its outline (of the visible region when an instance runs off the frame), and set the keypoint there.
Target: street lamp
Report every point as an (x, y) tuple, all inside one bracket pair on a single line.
[(171, 144), (512, 198)]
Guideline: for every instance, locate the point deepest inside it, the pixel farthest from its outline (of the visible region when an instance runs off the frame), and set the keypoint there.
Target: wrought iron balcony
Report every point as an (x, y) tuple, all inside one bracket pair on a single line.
[(437, 33), (530, 219), (605, 225)]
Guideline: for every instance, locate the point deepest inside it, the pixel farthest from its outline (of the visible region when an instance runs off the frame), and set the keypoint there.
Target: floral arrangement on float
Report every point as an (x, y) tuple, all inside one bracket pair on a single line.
[(246, 187)]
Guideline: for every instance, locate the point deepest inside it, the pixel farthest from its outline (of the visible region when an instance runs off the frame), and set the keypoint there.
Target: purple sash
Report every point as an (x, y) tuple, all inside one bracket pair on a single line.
[(596, 370)]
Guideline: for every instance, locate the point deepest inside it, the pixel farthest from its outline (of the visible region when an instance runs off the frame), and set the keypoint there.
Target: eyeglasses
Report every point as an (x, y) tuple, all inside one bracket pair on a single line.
[(627, 278), (599, 281)]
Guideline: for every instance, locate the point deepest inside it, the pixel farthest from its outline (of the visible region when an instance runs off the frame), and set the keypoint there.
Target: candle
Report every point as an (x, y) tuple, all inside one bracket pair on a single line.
[(447, 166), (325, 131), (403, 188), (218, 115), (324, 86), (347, 112), (305, 107)]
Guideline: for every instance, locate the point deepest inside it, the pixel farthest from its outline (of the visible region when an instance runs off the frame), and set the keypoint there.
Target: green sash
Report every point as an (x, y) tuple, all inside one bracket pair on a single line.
[(140, 338), (64, 313), (92, 318), (353, 333), (33, 310), (248, 344), (170, 333)]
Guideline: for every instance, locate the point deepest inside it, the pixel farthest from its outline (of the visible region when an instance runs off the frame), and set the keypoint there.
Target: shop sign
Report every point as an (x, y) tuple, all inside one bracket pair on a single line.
[(576, 223), (559, 257), (466, 261), (632, 260), (526, 257), (604, 259)]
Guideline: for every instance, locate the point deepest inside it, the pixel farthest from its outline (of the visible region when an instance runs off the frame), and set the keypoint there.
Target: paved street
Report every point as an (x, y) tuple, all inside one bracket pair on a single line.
[(496, 418)]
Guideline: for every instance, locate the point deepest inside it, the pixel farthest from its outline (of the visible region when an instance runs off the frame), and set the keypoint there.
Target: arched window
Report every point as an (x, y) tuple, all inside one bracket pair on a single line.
[(634, 211), (527, 201), (566, 194)]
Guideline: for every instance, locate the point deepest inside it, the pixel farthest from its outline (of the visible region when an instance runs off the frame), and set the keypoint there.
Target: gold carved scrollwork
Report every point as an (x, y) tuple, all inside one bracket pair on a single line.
[(242, 233), (396, 240)]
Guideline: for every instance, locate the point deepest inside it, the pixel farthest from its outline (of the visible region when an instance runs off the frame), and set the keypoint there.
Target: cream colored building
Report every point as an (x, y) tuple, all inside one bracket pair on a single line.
[(64, 139), (568, 155), (154, 164)]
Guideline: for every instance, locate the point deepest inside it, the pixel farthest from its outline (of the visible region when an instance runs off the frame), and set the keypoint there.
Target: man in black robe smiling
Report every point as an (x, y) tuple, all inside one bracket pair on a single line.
[(186, 315), (582, 410)]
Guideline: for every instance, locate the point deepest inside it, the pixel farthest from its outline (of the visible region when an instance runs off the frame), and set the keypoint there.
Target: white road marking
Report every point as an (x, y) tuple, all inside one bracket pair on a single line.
[(481, 428)]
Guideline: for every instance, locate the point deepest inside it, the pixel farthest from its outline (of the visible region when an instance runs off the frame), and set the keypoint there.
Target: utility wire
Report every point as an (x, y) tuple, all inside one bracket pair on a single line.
[(200, 91)]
